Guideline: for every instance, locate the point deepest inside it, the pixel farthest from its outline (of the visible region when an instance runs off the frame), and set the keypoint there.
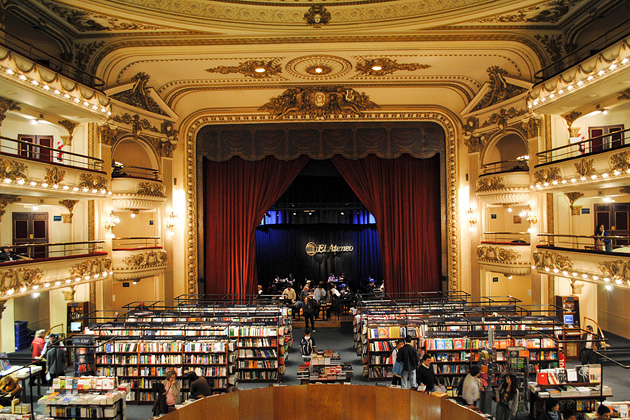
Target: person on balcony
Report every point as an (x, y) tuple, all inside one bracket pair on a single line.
[(601, 242)]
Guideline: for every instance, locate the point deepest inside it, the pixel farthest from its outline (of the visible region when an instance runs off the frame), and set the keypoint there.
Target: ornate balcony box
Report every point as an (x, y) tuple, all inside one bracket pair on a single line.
[(136, 264), (24, 277), (585, 265), (504, 188), (506, 258), (137, 193)]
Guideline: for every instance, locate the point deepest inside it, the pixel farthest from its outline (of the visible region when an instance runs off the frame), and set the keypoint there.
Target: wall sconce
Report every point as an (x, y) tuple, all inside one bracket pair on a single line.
[(111, 221), (529, 215), (134, 213), (171, 221), (472, 219)]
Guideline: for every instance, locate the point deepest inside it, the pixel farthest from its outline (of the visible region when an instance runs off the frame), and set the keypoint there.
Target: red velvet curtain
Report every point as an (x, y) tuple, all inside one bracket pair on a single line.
[(403, 194), (237, 195)]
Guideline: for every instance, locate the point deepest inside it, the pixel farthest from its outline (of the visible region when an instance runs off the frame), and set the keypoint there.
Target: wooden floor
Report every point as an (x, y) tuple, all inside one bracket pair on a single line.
[(333, 322)]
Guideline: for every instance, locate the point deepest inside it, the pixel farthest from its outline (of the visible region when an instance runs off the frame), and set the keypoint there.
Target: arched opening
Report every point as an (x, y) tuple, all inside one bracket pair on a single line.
[(507, 153), (136, 159)]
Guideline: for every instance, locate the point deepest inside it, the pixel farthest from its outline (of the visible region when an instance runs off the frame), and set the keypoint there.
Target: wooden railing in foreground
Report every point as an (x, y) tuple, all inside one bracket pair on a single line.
[(324, 402)]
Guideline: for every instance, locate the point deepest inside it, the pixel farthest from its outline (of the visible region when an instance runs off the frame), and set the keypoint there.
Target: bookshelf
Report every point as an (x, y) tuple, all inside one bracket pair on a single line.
[(259, 352), (84, 355), (76, 311), (570, 317)]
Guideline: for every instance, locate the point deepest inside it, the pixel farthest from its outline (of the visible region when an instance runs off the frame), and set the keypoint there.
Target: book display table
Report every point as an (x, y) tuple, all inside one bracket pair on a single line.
[(326, 367)]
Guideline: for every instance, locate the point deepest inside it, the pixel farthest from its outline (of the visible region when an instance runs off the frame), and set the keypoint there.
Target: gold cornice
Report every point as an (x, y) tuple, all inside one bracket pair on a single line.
[(447, 121), (5, 200)]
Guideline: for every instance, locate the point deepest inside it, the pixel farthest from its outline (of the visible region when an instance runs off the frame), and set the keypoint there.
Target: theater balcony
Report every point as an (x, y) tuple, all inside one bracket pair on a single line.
[(602, 161), (33, 169), (35, 268), (577, 257), (505, 252), (136, 258), (137, 188), (504, 182)]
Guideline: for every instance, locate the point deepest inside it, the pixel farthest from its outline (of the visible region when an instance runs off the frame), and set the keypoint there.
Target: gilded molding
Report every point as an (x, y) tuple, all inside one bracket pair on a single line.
[(3, 303), (502, 117), (70, 126), (317, 16), (70, 205), (497, 254), (6, 105), (573, 197), (5, 200), (138, 96), (148, 259), (387, 66), (620, 161), (585, 168), (318, 67), (91, 267), (12, 169), (319, 102), (54, 175), (500, 89), (554, 45), (248, 69), (551, 260), (452, 219), (624, 95), (547, 175), (571, 117), (625, 189), (69, 294), (549, 12), (151, 189), (91, 182), (618, 269), (163, 146), (490, 183), (18, 278), (83, 52), (532, 127)]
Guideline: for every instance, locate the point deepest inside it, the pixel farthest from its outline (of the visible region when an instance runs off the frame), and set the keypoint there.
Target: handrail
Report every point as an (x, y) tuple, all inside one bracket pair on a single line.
[(576, 241), (42, 251), (122, 171), (545, 157), (547, 72), (63, 67), (516, 165), (52, 244), (92, 162), (506, 233)]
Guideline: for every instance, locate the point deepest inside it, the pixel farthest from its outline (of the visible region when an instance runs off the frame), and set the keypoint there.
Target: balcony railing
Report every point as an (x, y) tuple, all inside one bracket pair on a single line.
[(514, 165), (506, 238), (590, 146), (134, 172), (42, 58), (618, 243), (135, 242), (23, 253), (45, 154)]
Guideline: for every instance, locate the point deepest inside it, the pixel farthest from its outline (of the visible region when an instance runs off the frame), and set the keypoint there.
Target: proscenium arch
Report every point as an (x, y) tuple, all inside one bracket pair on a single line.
[(449, 122)]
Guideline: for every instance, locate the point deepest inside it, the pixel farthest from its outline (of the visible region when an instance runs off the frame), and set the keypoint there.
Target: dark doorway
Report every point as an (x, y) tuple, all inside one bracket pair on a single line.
[(31, 228)]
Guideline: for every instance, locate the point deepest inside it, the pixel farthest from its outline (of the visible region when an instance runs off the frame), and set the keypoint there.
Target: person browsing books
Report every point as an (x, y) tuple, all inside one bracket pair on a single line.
[(425, 373), (56, 360), (199, 386), (399, 343), (507, 398), (471, 391), (408, 356), (172, 390), (603, 413)]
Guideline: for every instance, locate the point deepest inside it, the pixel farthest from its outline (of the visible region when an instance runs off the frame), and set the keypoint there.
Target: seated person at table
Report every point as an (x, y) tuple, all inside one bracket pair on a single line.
[(199, 386), (603, 413)]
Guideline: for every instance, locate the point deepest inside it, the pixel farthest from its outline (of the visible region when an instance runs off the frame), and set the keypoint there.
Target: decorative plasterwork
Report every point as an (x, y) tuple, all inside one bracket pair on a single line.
[(571, 117), (5, 106), (490, 183), (620, 162), (69, 294), (151, 189), (70, 126), (319, 102), (317, 16), (625, 189), (607, 63), (549, 12), (93, 182), (452, 225), (135, 265), (624, 95), (54, 175), (329, 66), (500, 89), (503, 259), (502, 117), (3, 304), (384, 65), (164, 142), (16, 279), (251, 68), (91, 267), (615, 270), (139, 97), (136, 194), (551, 260), (27, 73), (573, 197), (547, 175), (585, 167), (554, 44), (148, 259), (5, 200), (12, 169), (70, 205), (532, 127)]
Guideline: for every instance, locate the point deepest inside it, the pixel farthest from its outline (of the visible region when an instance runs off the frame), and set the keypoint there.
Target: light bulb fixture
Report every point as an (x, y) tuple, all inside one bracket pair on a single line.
[(470, 216), (111, 221), (171, 222), (134, 213)]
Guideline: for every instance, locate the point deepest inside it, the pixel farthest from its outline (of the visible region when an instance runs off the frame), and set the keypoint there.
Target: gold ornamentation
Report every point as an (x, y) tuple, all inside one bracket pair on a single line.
[(70, 126), (386, 65), (5, 106), (151, 189), (54, 176), (615, 269), (109, 135), (620, 162), (319, 102), (573, 197), (5, 200), (501, 118), (551, 260), (532, 127), (91, 182), (250, 68), (571, 117), (91, 267), (625, 189), (475, 143), (624, 95), (137, 124), (547, 175), (70, 205), (69, 294), (548, 12), (318, 67), (585, 167), (500, 89), (13, 170), (146, 260), (18, 278), (554, 44), (576, 289), (83, 53), (139, 96), (3, 306), (317, 16), (496, 254), (490, 183)]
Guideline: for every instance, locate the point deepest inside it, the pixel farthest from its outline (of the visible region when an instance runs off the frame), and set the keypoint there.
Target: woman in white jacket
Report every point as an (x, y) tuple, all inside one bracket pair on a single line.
[(471, 390)]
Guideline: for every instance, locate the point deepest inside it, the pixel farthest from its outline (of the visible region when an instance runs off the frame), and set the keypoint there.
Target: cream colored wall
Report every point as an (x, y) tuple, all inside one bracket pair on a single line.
[(517, 286), (34, 310), (58, 311), (138, 226), (505, 220), (614, 311), (145, 290), (8, 329)]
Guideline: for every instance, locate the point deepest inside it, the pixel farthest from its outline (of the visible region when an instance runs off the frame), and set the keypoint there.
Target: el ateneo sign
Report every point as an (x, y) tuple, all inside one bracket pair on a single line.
[(312, 248)]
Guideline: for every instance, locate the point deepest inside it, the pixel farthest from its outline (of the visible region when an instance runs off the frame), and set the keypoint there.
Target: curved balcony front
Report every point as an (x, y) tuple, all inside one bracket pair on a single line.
[(504, 183), (137, 193), (35, 268), (136, 258), (585, 258), (505, 252)]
